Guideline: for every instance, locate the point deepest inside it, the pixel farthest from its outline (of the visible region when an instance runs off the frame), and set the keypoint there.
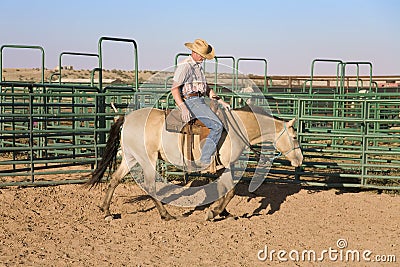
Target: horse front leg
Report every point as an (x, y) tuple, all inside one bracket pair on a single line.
[(225, 184), (116, 179), (219, 206)]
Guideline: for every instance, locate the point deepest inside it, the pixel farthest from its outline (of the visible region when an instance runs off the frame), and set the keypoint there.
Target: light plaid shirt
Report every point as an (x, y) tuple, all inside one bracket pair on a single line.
[(190, 76)]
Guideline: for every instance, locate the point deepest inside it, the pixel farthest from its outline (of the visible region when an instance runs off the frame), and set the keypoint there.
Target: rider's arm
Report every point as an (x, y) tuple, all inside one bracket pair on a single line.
[(213, 95), (176, 93)]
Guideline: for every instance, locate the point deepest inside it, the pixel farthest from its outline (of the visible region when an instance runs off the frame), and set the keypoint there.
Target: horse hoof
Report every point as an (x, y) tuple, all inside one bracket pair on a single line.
[(225, 214), (209, 215), (108, 218), (168, 218)]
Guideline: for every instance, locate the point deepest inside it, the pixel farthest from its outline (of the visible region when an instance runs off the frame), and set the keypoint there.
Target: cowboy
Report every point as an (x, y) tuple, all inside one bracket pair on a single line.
[(189, 88)]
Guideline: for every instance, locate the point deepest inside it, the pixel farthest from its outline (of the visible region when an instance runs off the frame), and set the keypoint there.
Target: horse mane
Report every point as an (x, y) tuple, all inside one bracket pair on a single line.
[(258, 110)]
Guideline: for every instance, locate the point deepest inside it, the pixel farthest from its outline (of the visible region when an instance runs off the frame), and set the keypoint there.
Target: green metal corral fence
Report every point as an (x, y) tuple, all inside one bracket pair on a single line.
[(54, 133), (52, 129)]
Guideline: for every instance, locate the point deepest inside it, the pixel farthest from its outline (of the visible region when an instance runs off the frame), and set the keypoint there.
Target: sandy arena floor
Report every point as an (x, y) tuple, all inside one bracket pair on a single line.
[(62, 226)]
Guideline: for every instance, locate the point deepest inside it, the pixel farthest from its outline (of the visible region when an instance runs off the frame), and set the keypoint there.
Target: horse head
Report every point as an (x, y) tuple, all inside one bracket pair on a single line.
[(287, 144)]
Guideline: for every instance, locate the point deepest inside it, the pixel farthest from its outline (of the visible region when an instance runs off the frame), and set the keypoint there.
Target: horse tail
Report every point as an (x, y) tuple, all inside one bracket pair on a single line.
[(109, 158)]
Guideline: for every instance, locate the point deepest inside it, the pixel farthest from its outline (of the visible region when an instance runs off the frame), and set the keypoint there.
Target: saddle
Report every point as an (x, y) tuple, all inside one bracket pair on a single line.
[(174, 123)]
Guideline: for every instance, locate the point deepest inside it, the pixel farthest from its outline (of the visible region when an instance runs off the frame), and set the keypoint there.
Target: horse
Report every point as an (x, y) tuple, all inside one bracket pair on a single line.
[(144, 140)]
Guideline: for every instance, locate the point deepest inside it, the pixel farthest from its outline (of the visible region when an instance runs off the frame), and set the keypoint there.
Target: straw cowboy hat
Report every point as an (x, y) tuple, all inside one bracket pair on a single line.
[(202, 48)]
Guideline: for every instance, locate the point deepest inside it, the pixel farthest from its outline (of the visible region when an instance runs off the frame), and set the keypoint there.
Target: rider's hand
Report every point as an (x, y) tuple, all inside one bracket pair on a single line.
[(224, 104), (185, 112)]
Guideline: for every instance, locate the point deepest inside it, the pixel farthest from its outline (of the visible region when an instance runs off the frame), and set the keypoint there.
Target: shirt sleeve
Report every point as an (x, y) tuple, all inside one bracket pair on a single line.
[(181, 72)]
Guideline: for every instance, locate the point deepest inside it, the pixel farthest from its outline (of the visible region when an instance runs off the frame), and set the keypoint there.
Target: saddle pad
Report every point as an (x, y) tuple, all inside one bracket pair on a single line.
[(174, 123), (173, 120)]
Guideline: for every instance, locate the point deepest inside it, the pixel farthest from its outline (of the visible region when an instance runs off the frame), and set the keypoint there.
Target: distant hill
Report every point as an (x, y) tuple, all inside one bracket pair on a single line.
[(34, 75), (127, 77)]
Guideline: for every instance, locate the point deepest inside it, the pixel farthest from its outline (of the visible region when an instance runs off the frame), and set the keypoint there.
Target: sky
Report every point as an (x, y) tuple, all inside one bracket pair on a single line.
[(288, 34)]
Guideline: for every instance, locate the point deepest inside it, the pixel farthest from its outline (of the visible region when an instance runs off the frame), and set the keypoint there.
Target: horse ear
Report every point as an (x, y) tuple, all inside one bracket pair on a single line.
[(291, 122)]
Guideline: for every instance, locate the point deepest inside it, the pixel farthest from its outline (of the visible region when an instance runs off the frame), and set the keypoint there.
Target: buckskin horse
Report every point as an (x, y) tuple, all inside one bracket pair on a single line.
[(144, 140)]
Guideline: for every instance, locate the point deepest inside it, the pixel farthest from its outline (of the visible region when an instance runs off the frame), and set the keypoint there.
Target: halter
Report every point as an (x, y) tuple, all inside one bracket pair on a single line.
[(293, 147)]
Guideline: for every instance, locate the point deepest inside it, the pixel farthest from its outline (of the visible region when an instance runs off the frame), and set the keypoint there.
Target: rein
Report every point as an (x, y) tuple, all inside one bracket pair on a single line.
[(241, 134), (255, 151)]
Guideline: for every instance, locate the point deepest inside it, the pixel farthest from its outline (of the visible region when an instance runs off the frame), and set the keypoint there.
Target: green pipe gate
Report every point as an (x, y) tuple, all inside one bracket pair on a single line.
[(349, 136)]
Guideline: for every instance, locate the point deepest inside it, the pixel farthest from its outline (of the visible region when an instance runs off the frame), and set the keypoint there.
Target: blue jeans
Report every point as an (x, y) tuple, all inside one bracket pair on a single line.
[(202, 112)]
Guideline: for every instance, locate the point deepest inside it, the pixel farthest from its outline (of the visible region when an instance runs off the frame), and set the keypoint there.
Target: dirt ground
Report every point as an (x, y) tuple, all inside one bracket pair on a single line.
[(62, 226)]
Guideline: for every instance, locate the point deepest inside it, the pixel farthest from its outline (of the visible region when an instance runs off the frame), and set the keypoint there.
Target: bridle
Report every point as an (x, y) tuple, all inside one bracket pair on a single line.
[(293, 147)]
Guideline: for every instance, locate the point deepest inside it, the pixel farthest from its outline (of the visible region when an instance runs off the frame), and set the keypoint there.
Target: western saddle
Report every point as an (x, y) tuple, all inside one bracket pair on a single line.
[(174, 123)]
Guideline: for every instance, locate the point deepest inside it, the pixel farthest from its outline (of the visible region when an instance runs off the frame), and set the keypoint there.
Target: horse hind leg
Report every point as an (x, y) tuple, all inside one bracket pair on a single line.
[(116, 179), (150, 188)]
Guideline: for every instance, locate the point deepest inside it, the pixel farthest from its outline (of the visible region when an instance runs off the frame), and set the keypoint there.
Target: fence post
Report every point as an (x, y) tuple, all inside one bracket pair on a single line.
[(101, 108), (252, 59), (71, 54), (22, 47)]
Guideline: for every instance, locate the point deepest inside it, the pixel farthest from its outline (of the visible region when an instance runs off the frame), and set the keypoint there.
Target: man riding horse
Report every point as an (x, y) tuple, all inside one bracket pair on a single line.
[(144, 140), (189, 88)]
